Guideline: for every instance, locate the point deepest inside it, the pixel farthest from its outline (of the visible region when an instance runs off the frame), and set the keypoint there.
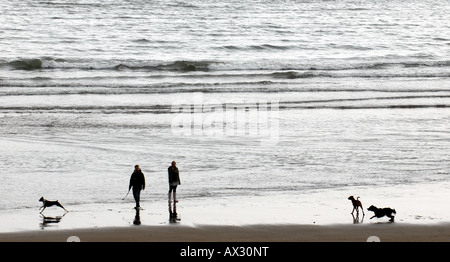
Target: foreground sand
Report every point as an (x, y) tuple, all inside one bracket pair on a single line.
[(256, 233)]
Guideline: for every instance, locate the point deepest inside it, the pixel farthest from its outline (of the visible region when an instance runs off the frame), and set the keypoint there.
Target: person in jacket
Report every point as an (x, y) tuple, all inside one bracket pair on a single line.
[(137, 182), (174, 181)]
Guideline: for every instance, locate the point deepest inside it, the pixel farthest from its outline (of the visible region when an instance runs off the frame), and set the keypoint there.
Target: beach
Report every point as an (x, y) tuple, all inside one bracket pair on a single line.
[(323, 216), (254, 233), (274, 111)]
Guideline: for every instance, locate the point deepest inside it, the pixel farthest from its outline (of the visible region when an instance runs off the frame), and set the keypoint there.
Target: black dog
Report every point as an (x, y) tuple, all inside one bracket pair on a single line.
[(356, 204), (381, 212), (48, 203)]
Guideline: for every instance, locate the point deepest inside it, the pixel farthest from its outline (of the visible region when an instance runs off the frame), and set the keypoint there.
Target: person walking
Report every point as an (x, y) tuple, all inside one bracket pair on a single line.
[(137, 182), (174, 181)]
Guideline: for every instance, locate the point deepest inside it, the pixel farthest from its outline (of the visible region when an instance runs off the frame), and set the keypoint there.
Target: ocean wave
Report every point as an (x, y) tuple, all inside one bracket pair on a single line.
[(141, 40), (176, 66), (378, 102), (182, 4), (154, 109), (257, 47), (47, 89), (92, 64), (300, 74), (25, 64), (216, 65), (359, 107)]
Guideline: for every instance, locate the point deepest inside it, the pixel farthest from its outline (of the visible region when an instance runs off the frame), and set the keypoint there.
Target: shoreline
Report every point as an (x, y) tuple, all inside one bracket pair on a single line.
[(386, 232), (416, 205)]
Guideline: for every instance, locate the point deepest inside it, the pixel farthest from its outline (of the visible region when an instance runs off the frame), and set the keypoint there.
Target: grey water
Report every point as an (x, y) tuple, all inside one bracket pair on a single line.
[(88, 88)]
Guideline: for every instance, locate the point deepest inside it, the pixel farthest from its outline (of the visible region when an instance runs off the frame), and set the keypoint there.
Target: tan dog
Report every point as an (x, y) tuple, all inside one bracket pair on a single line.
[(356, 203)]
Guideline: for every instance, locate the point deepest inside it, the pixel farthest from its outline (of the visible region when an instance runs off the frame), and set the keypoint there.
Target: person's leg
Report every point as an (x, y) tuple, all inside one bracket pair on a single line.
[(175, 194), (170, 194), (137, 196)]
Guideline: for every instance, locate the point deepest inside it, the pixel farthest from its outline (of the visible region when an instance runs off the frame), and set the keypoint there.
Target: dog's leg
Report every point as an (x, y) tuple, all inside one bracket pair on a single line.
[(43, 208), (391, 217), (373, 217), (362, 210), (59, 204)]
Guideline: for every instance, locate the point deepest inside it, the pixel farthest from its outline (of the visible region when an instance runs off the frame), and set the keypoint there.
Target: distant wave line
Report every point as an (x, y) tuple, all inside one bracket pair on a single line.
[(283, 105), (207, 65), (127, 90)]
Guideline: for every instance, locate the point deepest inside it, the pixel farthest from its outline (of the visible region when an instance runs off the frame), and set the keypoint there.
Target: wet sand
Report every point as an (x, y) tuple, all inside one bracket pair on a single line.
[(389, 232), (320, 216)]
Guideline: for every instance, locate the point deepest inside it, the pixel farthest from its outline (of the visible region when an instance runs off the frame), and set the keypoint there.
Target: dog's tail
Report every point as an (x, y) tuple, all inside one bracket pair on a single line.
[(357, 198)]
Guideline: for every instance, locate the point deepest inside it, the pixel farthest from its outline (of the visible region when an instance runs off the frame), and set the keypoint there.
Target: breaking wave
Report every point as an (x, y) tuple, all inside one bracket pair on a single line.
[(215, 65)]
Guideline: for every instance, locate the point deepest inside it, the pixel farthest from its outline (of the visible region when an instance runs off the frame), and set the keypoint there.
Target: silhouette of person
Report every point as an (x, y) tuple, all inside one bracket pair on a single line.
[(174, 181), (137, 182)]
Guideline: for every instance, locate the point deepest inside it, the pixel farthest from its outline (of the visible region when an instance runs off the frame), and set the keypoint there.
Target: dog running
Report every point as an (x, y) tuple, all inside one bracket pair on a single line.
[(48, 203), (381, 212), (356, 204)]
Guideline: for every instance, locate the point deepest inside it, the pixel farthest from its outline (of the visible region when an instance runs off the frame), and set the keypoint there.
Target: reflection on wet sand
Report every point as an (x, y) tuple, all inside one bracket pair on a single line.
[(356, 219), (48, 221), (137, 217), (173, 215)]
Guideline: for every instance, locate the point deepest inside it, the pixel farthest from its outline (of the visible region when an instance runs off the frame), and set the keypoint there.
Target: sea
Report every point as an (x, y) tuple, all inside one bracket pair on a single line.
[(255, 100)]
